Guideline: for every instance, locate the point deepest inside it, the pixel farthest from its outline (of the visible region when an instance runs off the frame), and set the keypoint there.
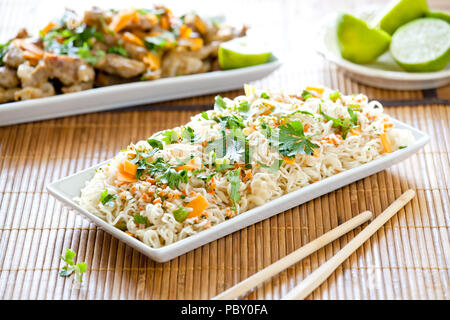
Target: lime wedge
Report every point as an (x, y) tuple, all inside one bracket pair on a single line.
[(422, 45), (399, 12), (358, 42), (439, 15), (242, 52)]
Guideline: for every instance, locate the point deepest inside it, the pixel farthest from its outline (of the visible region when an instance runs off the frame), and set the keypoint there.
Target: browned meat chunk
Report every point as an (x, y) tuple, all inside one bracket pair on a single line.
[(68, 70), (8, 78), (77, 87), (95, 17), (32, 76), (7, 95), (116, 64), (14, 56), (45, 90), (183, 62)]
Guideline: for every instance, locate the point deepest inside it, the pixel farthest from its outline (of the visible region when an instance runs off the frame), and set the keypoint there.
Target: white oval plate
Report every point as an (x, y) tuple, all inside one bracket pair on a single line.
[(134, 93), (384, 72), (68, 188)]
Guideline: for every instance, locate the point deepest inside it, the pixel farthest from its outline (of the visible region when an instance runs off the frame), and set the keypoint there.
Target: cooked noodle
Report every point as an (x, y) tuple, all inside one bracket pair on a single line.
[(145, 208)]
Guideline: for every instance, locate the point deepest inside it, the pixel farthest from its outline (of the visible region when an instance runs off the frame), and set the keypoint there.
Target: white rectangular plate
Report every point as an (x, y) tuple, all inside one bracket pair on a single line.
[(134, 93), (68, 188)]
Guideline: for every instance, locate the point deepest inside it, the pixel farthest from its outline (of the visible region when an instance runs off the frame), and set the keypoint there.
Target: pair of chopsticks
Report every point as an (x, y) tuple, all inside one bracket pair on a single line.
[(316, 278)]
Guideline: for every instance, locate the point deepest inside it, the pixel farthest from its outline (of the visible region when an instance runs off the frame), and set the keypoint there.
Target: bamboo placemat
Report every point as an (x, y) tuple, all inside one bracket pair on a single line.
[(408, 258)]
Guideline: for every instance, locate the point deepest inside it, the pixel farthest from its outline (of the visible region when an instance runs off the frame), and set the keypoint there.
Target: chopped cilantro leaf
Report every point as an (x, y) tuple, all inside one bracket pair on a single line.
[(219, 103), (235, 181), (106, 198), (306, 94), (265, 95), (138, 219), (155, 143), (292, 140), (334, 96)]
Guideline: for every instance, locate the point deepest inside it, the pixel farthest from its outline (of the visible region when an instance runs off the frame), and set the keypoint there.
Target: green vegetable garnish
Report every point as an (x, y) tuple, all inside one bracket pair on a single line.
[(334, 96), (219, 103), (345, 124), (235, 182), (106, 198), (306, 94), (155, 143), (181, 214), (293, 140), (138, 219), (70, 266), (265, 95), (118, 50)]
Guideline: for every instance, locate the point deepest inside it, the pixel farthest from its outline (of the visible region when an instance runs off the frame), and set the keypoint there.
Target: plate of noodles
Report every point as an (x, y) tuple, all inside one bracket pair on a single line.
[(107, 59), (249, 158)]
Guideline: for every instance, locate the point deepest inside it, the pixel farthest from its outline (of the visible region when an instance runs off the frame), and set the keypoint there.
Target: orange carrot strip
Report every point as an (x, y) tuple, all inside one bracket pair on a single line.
[(386, 143), (289, 160), (132, 38), (122, 19)]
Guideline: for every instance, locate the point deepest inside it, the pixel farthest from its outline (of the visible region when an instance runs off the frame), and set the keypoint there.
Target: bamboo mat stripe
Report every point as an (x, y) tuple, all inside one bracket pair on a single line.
[(408, 258)]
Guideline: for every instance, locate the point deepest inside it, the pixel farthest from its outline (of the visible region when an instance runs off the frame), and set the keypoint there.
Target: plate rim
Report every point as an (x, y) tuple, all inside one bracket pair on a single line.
[(241, 221)]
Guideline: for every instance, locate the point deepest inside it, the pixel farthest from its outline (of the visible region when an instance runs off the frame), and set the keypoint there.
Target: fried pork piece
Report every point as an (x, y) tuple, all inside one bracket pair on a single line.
[(116, 64), (96, 17), (183, 62), (14, 56), (8, 77), (7, 95), (78, 87), (44, 90), (32, 76), (68, 70), (103, 79)]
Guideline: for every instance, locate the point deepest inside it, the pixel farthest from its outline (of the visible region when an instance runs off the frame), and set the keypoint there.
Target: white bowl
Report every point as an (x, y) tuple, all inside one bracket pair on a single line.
[(384, 72), (68, 188)]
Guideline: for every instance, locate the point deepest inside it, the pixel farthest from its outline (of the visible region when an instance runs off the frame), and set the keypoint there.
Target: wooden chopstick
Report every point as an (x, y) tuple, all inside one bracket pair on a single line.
[(293, 257), (316, 278)]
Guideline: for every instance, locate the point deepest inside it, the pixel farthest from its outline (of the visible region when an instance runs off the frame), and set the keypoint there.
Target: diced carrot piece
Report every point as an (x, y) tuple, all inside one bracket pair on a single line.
[(289, 160), (356, 133), (195, 43), (316, 152), (198, 205), (306, 127), (164, 23), (125, 178), (152, 60), (132, 38), (122, 19), (48, 27), (188, 166), (130, 168), (318, 90), (34, 50), (126, 169), (386, 143), (185, 31)]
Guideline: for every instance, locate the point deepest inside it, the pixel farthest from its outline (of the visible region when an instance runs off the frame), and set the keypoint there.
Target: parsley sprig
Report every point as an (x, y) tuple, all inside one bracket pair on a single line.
[(345, 124), (293, 140), (70, 267)]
